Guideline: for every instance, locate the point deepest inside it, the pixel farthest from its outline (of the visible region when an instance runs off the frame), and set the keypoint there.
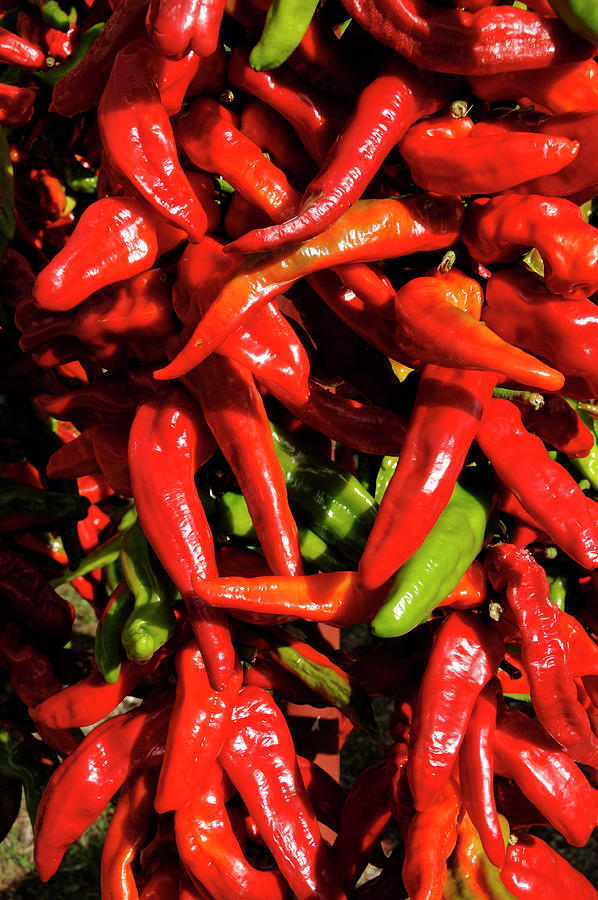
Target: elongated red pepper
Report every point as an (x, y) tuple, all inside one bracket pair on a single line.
[(534, 869), (558, 423), (200, 717), (177, 26), (544, 651), (476, 774), (493, 39), (386, 108), (259, 757), (334, 597), (168, 442), (447, 156), (563, 89), (430, 840), (81, 88), (544, 488), (211, 852), (501, 229), (129, 828), (15, 51), (315, 118), (139, 143), (547, 776), (273, 134), (128, 247), (444, 422), (74, 796), (464, 657), (370, 230), (235, 413), (268, 346)]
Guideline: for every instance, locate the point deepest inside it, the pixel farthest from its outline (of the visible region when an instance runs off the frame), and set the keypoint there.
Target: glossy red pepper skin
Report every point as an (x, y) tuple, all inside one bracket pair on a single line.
[(521, 309), (130, 826), (476, 774), (139, 143), (567, 88), (15, 51), (16, 105), (501, 229), (370, 230), (128, 247), (81, 88), (544, 488), (385, 109), (211, 852), (544, 651), (259, 757), (75, 796), (558, 424), (546, 775), (198, 723), (534, 869), (443, 424), (235, 413), (273, 134), (430, 839), (492, 39), (313, 115), (168, 442), (177, 26), (448, 156), (464, 657)]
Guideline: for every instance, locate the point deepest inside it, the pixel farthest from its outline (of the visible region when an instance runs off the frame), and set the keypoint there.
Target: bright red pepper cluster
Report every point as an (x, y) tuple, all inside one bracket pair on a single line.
[(291, 351)]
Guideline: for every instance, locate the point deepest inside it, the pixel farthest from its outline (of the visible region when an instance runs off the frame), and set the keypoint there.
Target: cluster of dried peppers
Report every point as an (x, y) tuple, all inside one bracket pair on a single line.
[(299, 329)]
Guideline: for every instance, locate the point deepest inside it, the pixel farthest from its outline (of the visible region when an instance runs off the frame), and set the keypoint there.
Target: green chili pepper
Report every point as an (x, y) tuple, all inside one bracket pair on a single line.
[(151, 621), (25, 758), (580, 15), (57, 72), (586, 465), (233, 520), (108, 646), (330, 501), (558, 590), (435, 568), (81, 180), (284, 29), (385, 473), (56, 17)]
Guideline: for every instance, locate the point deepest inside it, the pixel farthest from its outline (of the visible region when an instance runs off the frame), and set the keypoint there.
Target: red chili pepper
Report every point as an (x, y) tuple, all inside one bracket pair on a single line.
[(558, 423), (138, 141), (129, 828), (501, 229), (534, 869), (370, 230), (177, 26), (568, 88), (74, 796), (429, 842), (81, 88), (476, 774), (547, 775), (15, 51), (27, 598), (235, 413), (334, 597), (544, 650), (169, 440), (464, 657), (200, 717), (447, 155), (211, 852), (315, 118), (273, 134), (544, 488), (128, 247), (16, 105), (259, 757), (493, 39), (470, 590), (386, 108)]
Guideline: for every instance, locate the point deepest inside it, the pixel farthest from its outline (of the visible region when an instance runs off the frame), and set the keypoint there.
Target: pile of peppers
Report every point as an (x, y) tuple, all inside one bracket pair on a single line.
[(300, 365)]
